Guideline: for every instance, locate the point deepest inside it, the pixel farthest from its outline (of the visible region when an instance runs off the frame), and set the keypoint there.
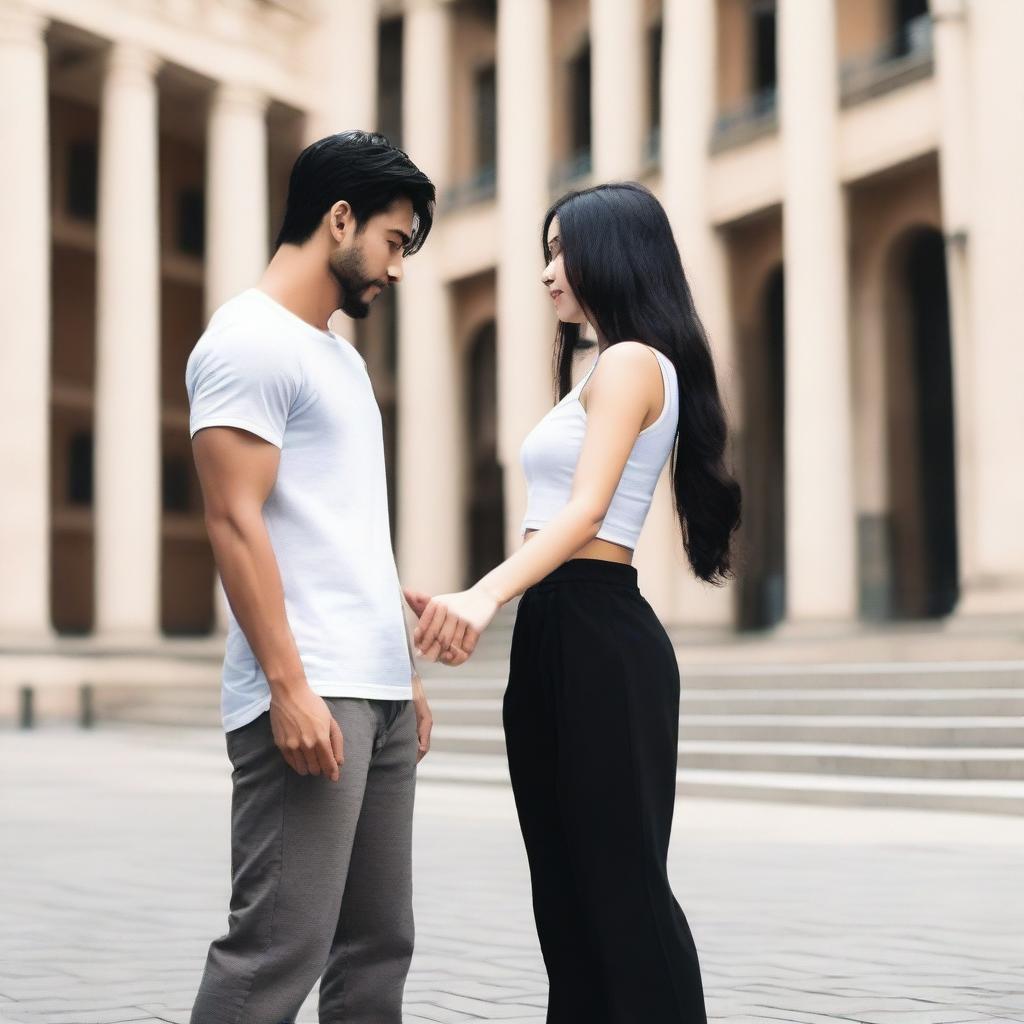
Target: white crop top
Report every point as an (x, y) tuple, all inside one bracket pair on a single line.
[(551, 450)]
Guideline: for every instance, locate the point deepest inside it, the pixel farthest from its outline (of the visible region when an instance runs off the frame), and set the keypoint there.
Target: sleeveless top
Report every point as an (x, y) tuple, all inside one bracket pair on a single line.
[(551, 450)]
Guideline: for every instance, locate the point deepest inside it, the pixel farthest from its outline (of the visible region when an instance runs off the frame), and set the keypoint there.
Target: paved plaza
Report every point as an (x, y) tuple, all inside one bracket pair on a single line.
[(114, 849)]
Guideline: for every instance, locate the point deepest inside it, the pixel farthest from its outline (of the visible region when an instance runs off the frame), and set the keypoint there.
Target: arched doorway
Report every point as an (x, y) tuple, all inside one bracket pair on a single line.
[(762, 596), (919, 398), (485, 501)]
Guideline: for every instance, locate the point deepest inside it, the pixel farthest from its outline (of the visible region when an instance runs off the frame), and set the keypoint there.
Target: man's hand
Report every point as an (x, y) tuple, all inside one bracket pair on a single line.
[(450, 624), (424, 719), (306, 732)]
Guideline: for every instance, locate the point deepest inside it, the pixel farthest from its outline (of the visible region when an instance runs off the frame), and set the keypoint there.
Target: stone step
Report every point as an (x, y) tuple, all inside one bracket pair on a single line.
[(926, 731), (987, 797), (913, 703), (954, 733), (960, 675), (899, 762)]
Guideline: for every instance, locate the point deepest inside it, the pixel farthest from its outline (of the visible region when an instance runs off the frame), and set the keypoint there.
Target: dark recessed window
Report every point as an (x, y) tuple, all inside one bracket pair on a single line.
[(192, 221), (486, 92), (82, 177), (79, 479), (654, 37), (579, 101), (763, 67), (176, 490), (911, 24), (389, 79)]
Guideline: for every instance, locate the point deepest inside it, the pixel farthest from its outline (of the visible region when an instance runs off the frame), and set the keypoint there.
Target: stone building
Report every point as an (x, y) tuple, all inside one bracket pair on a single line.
[(843, 176)]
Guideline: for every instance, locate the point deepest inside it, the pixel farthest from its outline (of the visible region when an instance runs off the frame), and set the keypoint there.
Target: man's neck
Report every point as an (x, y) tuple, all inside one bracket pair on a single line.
[(298, 279)]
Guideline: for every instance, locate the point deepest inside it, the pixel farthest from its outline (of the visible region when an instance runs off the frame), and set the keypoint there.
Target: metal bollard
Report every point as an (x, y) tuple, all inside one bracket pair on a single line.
[(87, 710), (26, 713)]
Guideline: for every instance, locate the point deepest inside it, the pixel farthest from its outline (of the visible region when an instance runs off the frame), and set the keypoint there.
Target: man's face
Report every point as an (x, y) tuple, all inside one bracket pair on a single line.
[(370, 258)]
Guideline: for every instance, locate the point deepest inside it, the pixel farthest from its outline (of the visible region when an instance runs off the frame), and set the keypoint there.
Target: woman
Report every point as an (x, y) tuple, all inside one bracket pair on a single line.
[(592, 707)]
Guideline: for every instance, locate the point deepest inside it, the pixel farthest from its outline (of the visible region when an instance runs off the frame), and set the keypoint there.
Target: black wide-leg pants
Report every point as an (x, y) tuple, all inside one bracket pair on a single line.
[(591, 719)]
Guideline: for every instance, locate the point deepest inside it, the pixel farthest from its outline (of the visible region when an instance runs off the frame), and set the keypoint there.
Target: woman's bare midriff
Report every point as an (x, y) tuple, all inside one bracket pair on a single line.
[(603, 549)]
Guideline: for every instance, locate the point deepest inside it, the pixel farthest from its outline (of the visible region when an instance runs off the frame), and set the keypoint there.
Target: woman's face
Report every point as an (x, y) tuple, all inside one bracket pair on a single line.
[(567, 308)]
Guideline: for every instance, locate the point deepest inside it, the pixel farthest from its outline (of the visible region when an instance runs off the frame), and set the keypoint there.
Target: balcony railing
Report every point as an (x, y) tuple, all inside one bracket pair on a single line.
[(483, 185), (757, 115), (900, 60), (573, 171), (652, 148)]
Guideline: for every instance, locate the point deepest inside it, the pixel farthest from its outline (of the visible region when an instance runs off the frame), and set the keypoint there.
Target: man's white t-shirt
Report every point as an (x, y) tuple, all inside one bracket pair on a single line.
[(262, 369)]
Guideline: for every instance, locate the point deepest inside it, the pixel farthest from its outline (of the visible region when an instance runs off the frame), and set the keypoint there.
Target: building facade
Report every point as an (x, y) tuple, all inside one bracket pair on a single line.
[(843, 177)]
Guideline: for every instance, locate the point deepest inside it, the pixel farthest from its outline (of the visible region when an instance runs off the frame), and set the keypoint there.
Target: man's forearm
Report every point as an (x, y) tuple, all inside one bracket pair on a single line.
[(252, 582)]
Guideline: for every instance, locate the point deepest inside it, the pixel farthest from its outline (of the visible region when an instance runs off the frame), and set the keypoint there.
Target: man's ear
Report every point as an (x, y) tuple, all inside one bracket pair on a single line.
[(341, 221)]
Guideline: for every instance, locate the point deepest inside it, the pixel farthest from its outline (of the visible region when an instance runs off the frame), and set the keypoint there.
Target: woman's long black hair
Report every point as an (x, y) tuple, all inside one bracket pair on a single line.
[(623, 265)]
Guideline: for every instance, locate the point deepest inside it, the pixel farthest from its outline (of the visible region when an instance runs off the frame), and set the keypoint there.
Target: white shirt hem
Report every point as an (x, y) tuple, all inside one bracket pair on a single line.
[(366, 691)]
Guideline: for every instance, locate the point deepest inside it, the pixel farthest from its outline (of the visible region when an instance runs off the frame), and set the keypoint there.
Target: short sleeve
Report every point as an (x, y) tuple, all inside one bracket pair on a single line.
[(249, 382)]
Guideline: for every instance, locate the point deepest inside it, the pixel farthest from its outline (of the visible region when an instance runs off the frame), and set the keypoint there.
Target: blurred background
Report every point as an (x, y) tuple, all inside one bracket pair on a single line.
[(845, 182)]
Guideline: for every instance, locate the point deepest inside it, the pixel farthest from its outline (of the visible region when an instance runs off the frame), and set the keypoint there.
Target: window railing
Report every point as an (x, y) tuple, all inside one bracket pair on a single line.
[(572, 171), (757, 115), (900, 60), (652, 148), (483, 185)]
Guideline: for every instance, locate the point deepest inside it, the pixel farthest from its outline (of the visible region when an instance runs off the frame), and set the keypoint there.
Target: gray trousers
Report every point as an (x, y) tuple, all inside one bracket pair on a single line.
[(321, 879)]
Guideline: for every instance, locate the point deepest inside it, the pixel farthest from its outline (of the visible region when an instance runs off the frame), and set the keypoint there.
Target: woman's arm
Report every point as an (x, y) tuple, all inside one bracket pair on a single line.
[(624, 388)]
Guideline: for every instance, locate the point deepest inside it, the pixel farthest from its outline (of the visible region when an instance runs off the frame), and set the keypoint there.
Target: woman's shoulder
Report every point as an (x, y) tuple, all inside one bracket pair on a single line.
[(630, 367), (628, 359)]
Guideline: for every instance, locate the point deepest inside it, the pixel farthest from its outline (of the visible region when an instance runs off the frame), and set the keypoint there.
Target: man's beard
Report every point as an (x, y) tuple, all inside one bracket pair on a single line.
[(350, 273)]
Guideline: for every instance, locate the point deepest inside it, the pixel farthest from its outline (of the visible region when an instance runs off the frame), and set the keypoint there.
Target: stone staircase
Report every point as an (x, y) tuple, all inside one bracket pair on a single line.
[(920, 733)]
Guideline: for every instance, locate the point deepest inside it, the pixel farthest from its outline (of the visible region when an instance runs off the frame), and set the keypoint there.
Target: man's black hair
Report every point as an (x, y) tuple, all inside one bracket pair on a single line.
[(365, 170)]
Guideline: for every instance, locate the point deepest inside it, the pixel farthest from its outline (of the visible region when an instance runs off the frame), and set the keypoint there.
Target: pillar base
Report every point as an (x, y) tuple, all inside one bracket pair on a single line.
[(818, 629), (995, 606)]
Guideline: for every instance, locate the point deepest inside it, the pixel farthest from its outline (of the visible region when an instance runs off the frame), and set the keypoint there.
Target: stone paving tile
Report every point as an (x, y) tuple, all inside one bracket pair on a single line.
[(115, 854)]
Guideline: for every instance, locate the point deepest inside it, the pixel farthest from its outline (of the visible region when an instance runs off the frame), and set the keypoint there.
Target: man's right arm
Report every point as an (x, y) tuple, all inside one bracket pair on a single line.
[(237, 472)]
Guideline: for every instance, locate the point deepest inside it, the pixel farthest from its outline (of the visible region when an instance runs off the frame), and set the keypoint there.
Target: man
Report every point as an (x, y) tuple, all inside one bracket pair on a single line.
[(324, 713)]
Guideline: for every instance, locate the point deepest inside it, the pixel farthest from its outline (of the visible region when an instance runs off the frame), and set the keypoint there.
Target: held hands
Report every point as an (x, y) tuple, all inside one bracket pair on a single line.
[(450, 624)]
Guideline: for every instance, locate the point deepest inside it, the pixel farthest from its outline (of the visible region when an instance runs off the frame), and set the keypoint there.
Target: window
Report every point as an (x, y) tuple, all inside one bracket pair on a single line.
[(389, 80), (81, 180), (911, 26), (486, 92), (191, 221), (176, 489), (654, 37), (762, 50), (79, 478), (579, 101)]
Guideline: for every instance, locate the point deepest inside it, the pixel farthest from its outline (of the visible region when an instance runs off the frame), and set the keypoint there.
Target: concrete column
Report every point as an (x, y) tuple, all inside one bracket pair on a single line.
[(820, 535), (689, 107), (526, 323), (236, 192), (347, 97), (237, 212), (430, 513), (24, 326), (127, 408), (617, 87), (949, 20), (995, 368), (347, 93)]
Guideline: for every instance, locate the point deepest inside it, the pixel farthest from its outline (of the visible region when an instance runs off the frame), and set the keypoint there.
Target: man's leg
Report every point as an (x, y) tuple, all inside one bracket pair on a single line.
[(364, 980), (291, 840)]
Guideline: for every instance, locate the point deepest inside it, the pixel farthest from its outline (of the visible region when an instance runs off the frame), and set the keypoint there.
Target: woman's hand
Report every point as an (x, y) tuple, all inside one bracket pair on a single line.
[(450, 625)]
